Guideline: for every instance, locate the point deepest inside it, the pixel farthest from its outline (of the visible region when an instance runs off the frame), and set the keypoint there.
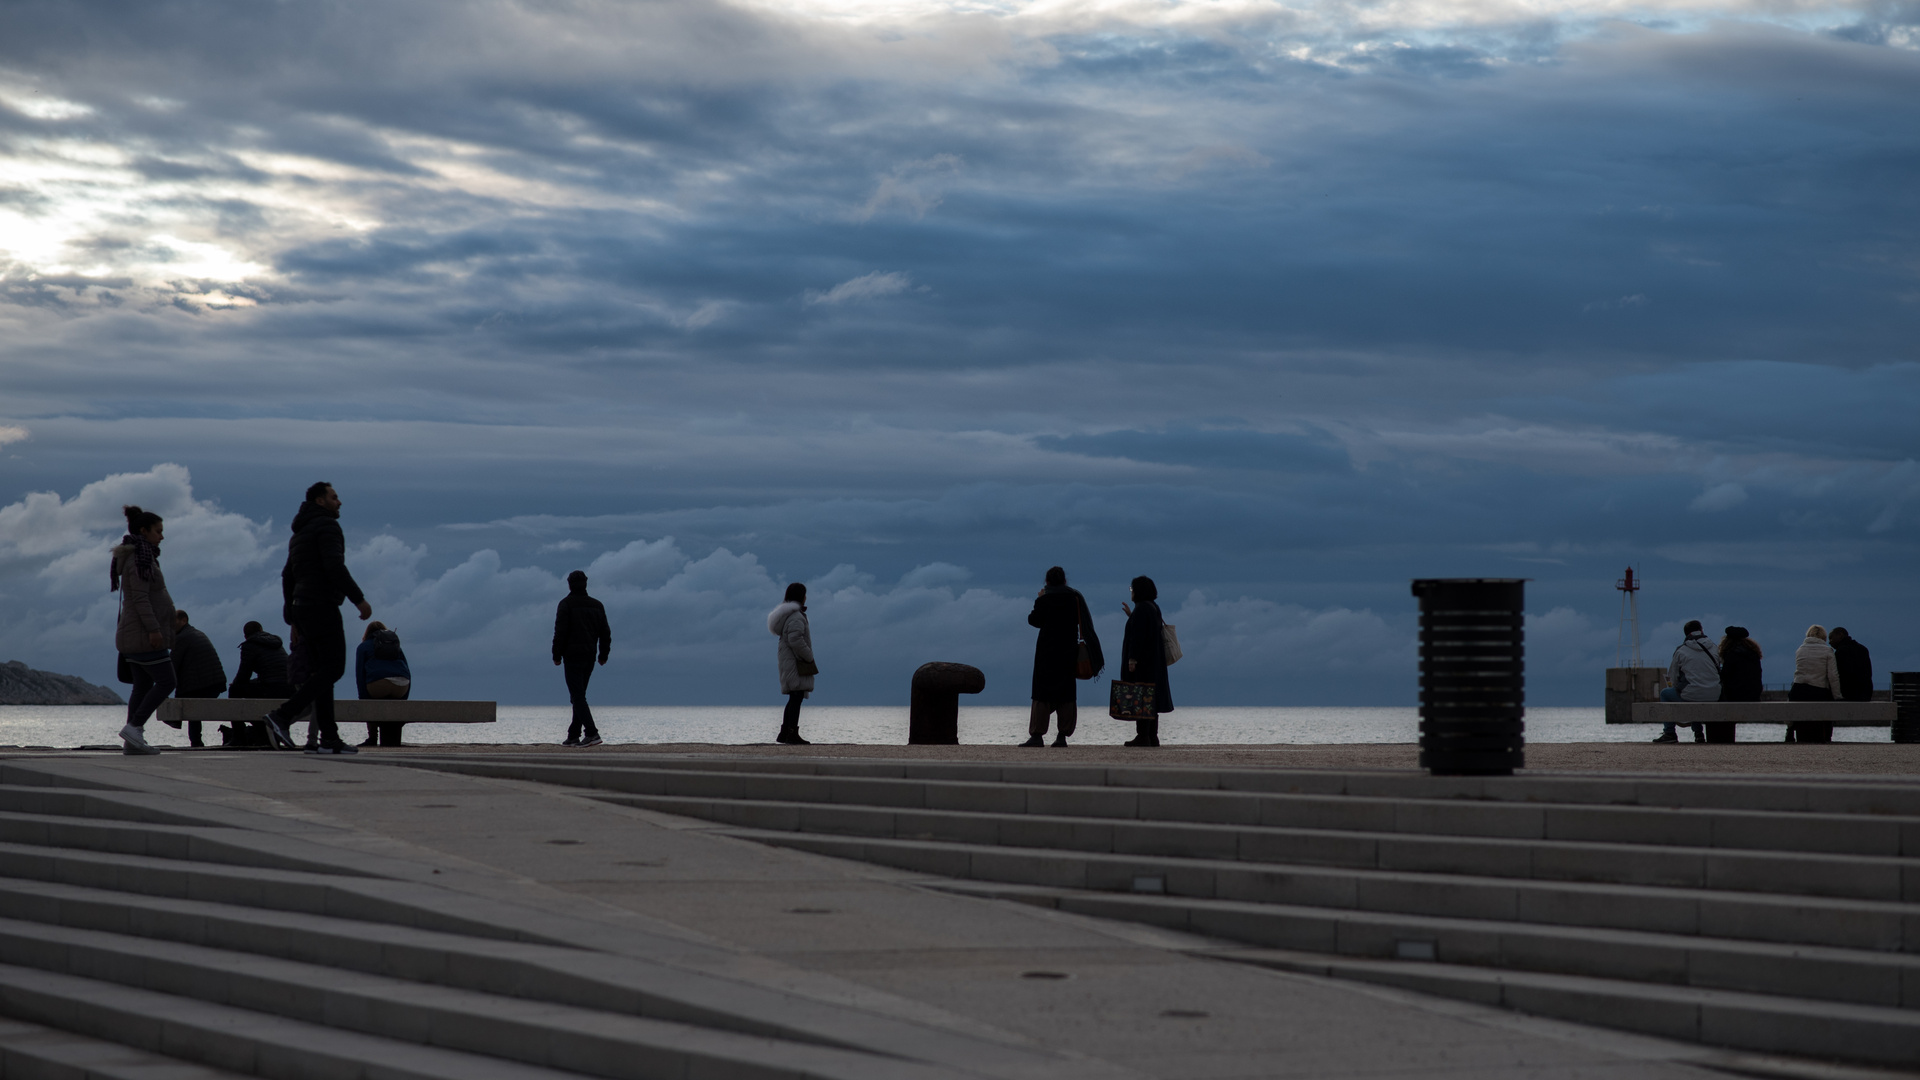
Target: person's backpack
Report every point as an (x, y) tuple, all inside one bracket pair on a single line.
[(386, 646)]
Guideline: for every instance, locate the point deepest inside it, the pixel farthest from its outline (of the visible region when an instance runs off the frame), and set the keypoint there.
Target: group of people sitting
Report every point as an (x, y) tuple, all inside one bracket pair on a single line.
[(269, 671), (1828, 666)]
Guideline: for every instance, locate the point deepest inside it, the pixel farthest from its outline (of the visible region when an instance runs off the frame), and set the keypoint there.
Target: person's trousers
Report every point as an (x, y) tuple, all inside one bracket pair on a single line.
[(1148, 731), (326, 643), (193, 726), (151, 685), (579, 669), (790, 716), (1670, 694), (1043, 711), (1811, 731)]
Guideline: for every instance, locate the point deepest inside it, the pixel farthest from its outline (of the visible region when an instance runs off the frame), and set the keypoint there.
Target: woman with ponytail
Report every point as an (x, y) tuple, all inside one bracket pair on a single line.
[(144, 633)]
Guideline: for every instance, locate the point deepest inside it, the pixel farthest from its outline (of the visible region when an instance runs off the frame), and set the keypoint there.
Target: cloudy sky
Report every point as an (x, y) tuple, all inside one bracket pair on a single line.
[(1282, 303)]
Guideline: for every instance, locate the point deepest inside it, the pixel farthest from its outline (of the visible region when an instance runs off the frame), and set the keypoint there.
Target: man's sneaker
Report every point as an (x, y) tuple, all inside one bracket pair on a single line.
[(277, 732), (591, 740), (1667, 736), (338, 748), (1034, 740), (1059, 740), (791, 738), (136, 741), (571, 740)]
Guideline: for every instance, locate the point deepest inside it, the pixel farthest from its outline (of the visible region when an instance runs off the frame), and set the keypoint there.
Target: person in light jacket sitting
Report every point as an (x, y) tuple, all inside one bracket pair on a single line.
[(1695, 675), (788, 622), (1816, 676)]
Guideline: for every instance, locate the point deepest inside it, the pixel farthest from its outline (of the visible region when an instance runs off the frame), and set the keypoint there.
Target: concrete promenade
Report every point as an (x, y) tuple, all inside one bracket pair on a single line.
[(838, 968)]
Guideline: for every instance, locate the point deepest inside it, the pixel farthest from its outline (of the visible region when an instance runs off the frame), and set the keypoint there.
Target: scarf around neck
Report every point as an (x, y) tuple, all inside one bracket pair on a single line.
[(143, 555)]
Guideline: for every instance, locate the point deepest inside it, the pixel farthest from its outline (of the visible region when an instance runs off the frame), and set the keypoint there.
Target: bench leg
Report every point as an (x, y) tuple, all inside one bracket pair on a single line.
[(1721, 731), (389, 733)]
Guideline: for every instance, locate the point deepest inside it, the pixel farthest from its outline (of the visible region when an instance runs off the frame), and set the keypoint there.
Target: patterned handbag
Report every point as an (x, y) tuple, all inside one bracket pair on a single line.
[(1132, 701)]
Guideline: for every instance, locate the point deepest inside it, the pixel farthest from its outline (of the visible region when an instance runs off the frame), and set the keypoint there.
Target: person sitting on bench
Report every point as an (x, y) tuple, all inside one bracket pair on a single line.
[(1695, 675), (1815, 678), (380, 672)]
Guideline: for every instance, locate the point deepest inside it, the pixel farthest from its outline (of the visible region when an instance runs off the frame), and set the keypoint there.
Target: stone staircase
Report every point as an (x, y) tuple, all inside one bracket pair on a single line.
[(152, 937), (1779, 915)]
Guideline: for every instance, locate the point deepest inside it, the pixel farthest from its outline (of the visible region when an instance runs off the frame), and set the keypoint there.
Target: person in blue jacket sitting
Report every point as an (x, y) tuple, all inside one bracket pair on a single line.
[(380, 671)]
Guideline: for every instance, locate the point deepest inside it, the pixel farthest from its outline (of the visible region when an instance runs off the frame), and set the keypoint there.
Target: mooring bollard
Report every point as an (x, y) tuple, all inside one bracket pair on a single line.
[(1472, 675), (933, 714), (1906, 706)]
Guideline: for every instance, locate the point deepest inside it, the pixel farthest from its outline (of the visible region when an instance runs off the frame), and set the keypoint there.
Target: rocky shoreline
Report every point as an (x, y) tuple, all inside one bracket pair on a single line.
[(22, 685)]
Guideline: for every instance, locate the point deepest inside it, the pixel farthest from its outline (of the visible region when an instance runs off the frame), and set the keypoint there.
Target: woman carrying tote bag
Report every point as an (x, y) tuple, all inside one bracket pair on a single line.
[(1143, 658)]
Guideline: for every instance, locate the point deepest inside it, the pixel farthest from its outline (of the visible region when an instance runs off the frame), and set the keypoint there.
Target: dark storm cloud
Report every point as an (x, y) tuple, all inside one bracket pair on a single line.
[(1284, 310)]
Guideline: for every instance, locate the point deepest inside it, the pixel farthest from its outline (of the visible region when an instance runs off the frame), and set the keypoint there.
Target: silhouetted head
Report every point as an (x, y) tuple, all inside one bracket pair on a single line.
[(577, 581), (1056, 576), (1838, 634), (1144, 588), (1817, 631), (141, 522), (179, 618), (373, 628), (1693, 627), (796, 593), (251, 629), (318, 491)]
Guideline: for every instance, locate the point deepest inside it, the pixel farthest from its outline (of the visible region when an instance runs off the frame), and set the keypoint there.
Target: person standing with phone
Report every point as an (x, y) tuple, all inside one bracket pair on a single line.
[(788, 622)]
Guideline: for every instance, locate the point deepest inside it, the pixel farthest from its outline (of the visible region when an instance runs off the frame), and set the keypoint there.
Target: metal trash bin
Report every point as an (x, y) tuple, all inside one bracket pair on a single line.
[(1472, 675), (1906, 706)]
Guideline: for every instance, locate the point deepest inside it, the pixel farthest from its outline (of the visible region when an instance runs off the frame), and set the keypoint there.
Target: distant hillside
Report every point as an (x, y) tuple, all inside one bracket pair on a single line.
[(22, 685)]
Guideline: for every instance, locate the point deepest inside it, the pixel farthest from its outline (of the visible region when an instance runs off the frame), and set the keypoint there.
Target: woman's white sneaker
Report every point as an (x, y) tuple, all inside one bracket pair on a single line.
[(136, 741)]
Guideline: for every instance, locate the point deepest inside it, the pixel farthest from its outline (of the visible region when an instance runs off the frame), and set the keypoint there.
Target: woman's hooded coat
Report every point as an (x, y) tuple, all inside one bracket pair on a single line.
[(788, 622), (1061, 615), (145, 605)]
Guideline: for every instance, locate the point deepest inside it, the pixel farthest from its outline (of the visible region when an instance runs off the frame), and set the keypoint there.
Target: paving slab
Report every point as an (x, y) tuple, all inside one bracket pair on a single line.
[(1080, 995)]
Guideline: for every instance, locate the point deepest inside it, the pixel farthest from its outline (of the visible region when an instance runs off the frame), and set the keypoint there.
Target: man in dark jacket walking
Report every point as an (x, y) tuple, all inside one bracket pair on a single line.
[(313, 583), (1851, 657), (579, 631), (196, 668)]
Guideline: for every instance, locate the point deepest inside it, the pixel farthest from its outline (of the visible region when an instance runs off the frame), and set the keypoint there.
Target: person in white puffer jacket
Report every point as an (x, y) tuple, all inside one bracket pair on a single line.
[(1816, 677), (788, 622), (1695, 675)]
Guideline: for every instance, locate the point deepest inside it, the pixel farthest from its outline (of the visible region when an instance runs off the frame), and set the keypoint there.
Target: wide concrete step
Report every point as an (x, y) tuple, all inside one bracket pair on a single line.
[(1789, 873), (110, 805), (34, 1052), (562, 975), (1652, 960), (373, 900), (1882, 836), (1851, 924), (1894, 795), (239, 1040), (1757, 1023), (195, 843), (540, 1034)]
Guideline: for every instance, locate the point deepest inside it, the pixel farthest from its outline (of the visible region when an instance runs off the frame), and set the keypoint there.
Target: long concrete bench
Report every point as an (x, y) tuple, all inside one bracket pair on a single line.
[(1837, 713), (348, 711)]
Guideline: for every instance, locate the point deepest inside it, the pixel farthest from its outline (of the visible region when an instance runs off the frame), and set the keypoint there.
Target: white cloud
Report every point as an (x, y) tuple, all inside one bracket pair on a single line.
[(1718, 497), (13, 433), (865, 287)]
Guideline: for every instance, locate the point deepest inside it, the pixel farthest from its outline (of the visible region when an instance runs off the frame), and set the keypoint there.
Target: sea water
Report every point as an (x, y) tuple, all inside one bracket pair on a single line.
[(68, 726)]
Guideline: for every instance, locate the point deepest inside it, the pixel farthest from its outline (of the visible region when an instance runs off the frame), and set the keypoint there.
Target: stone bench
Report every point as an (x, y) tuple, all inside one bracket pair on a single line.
[(1837, 713), (390, 714)]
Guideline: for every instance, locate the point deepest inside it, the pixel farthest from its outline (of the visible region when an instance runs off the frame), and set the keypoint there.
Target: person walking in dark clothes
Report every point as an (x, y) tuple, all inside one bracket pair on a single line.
[(313, 583), (263, 666), (1853, 661), (580, 631), (1060, 614), (196, 667), (1143, 656), (143, 633)]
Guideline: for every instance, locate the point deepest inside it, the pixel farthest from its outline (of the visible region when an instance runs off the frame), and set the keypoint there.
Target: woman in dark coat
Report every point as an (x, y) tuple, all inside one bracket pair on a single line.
[(1143, 656), (1739, 666), (1061, 615)]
